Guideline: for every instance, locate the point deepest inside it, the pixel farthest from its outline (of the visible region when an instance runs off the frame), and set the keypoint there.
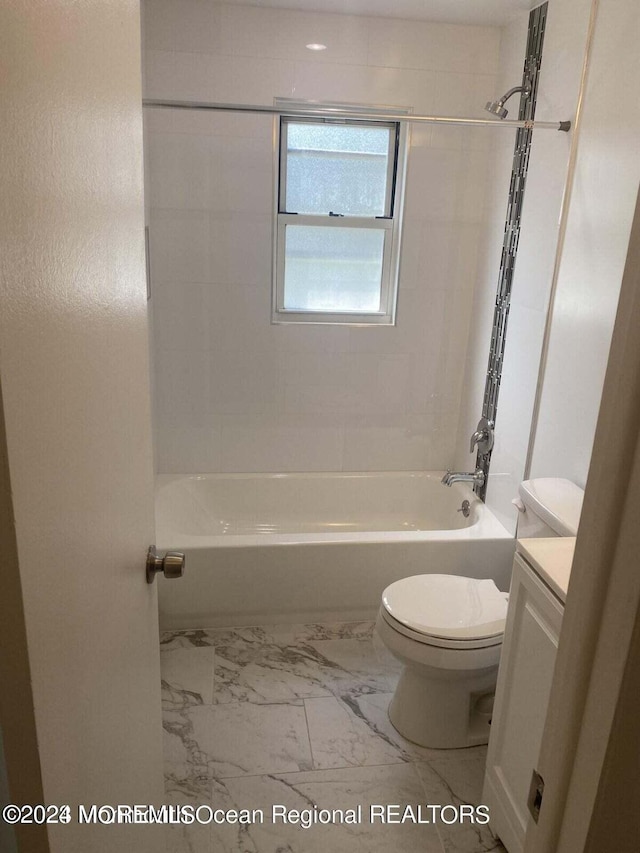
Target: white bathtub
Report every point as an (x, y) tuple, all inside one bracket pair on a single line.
[(265, 548)]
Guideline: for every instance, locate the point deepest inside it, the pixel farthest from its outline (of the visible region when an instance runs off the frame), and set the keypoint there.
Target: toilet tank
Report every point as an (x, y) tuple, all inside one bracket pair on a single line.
[(549, 506)]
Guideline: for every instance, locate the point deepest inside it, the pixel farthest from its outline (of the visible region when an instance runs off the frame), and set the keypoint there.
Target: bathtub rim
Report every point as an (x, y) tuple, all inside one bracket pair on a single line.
[(487, 526)]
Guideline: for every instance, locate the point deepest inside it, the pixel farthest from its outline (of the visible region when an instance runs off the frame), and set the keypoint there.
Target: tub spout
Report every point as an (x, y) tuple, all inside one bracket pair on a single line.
[(451, 477)]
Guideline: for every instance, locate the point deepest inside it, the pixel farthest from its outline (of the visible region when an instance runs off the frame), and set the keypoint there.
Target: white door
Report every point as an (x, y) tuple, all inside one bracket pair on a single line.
[(79, 677)]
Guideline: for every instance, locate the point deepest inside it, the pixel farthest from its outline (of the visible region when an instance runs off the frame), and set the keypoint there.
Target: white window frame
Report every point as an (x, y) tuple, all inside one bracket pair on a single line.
[(391, 224)]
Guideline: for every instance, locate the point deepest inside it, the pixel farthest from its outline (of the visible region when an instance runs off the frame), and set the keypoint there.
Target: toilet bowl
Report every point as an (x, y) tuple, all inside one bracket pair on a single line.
[(447, 631)]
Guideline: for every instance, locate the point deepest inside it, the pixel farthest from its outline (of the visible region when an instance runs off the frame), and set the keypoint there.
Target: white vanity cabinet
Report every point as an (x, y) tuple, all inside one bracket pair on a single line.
[(522, 695)]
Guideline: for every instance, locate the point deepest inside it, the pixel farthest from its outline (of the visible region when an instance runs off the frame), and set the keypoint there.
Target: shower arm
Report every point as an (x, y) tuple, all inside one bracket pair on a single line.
[(336, 112), (525, 89)]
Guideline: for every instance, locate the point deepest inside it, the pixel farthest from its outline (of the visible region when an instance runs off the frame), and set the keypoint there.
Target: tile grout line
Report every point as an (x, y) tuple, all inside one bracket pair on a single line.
[(277, 774), (306, 720), (426, 798), (213, 677)]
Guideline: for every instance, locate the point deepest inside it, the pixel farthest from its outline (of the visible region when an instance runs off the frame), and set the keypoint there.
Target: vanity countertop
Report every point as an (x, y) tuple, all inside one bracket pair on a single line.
[(551, 559)]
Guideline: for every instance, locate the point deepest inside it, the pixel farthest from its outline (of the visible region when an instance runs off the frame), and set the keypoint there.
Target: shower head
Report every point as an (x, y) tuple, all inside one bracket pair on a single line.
[(496, 108)]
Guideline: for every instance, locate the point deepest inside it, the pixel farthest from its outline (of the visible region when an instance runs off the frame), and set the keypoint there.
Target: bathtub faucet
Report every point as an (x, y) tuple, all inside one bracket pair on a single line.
[(451, 477)]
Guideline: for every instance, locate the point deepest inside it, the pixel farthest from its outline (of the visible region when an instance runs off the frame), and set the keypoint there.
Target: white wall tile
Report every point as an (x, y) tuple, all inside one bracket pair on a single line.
[(239, 318), (180, 243), (540, 218), (462, 94), (374, 448), (433, 177), (226, 124), (340, 83), (157, 121), (504, 479), (258, 445), (435, 47), (199, 26), (159, 76), (297, 339), (181, 316), (160, 22), (185, 450), (518, 385), (284, 34), (182, 388), (179, 171), (404, 87), (234, 79), (243, 381), (189, 25), (591, 263), (196, 76), (240, 247), (286, 397), (242, 176)]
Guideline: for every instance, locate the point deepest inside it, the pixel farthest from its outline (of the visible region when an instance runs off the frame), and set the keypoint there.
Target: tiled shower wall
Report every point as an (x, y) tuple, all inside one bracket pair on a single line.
[(585, 287), (232, 391)]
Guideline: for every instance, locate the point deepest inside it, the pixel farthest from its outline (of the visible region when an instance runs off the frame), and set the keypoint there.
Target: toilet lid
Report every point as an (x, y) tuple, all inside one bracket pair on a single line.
[(447, 606)]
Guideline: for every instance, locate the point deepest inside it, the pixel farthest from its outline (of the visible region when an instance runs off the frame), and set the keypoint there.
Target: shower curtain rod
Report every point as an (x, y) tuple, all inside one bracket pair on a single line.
[(338, 112)]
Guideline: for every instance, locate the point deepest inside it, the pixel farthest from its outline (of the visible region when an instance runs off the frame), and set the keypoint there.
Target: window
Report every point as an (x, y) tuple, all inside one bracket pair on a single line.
[(337, 234)]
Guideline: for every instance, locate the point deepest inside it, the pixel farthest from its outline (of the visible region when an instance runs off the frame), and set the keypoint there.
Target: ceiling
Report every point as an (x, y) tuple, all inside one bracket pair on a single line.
[(489, 12)]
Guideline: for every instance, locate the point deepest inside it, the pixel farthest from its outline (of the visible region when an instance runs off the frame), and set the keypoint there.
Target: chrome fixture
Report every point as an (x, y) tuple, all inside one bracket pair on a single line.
[(346, 113), (171, 565), (465, 509), (482, 437), (451, 477), (496, 108)]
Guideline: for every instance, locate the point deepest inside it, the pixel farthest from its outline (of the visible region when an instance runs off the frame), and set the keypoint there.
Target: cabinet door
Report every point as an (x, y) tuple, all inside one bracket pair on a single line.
[(522, 695)]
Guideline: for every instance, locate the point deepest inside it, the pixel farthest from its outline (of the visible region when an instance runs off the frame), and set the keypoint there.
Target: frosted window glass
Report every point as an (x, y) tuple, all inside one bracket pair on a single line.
[(337, 169), (332, 269)]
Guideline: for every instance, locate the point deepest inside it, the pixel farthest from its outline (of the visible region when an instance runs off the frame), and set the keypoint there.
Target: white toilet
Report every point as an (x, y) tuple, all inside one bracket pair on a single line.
[(548, 506), (447, 631)]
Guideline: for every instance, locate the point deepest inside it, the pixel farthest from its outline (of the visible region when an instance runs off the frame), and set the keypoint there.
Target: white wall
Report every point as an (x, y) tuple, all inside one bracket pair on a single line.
[(559, 84), (604, 196), (233, 392)]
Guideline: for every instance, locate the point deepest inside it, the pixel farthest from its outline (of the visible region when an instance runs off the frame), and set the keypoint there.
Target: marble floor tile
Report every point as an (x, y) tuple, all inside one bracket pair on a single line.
[(283, 634), (341, 736), (340, 789), (273, 672), (268, 672), (187, 676), (298, 715), (333, 631), (456, 776), (372, 712), (187, 838), (354, 666), (184, 639), (206, 742), (252, 635)]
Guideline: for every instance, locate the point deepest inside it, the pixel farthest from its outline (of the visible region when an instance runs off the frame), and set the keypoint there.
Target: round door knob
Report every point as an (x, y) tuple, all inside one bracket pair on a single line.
[(171, 565)]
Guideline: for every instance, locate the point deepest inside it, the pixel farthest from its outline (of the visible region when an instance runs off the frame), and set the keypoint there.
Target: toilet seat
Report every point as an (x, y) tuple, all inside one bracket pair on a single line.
[(447, 611), (439, 642)]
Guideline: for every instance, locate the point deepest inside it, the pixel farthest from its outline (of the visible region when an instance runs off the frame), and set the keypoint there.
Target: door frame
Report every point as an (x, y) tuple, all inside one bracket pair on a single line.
[(17, 716), (598, 651)]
